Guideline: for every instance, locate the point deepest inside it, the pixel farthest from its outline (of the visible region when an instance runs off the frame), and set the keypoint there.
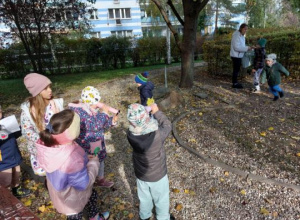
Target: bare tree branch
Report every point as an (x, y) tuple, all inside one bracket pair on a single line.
[(168, 22), (201, 5), (170, 3)]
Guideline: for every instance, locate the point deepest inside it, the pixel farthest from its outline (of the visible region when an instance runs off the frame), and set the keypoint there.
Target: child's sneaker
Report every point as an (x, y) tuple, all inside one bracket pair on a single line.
[(104, 183), (101, 216), (275, 98), (281, 94), (20, 192)]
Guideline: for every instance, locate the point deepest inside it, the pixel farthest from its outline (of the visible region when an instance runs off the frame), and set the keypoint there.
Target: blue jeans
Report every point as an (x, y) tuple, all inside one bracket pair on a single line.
[(157, 192), (275, 89)]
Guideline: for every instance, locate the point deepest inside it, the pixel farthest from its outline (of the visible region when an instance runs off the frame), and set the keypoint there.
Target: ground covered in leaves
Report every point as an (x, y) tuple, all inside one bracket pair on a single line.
[(244, 130)]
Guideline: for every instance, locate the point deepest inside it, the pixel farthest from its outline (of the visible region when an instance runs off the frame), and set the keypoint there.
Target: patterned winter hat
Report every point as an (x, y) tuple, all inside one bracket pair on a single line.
[(140, 121), (90, 95), (141, 78), (262, 42), (271, 57)]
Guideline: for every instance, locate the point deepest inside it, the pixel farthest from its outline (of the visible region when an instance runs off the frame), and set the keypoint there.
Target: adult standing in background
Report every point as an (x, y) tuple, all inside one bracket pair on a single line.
[(237, 50)]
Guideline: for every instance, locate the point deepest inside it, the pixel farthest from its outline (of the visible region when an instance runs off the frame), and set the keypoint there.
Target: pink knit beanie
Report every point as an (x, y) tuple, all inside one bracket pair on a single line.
[(35, 83)]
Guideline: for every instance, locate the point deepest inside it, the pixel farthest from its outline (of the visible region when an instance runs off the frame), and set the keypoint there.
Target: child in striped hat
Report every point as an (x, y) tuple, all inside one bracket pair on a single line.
[(145, 87)]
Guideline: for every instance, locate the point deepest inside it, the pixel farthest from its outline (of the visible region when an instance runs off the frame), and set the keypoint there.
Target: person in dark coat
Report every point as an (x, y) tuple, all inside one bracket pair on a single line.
[(10, 160), (259, 62), (146, 135), (145, 87)]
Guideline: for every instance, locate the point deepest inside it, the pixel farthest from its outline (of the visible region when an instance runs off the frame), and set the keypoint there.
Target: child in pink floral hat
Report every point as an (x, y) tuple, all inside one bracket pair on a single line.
[(93, 124)]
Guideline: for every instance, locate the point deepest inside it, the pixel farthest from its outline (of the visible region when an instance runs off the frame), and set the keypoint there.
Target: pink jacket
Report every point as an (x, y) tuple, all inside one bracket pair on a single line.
[(70, 175)]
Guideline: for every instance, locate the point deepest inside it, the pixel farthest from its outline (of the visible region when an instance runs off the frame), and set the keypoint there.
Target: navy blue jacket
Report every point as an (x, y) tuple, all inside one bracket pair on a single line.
[(146, 92), (11, 156)]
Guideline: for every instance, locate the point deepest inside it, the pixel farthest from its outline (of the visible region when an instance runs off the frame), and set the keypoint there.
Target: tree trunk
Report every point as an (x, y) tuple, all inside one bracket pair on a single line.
[(188, 48), (216, 18)]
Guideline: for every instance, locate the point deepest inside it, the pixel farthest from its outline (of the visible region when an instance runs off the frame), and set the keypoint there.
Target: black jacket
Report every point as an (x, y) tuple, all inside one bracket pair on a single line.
[(149, 156), (146, 92)]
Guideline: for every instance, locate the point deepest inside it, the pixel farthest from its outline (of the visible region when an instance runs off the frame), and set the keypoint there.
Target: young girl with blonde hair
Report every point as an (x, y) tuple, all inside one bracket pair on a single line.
[(36, 113)]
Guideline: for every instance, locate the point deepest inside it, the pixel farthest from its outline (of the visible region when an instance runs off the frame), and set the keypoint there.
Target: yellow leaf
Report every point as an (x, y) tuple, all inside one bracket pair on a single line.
[(192, 193), (281, 119), (33, 188), (129, 150), (295, 138), (175, 190), (243, 192), (173, 140), (213, 189), (131, 215), (275, 214), (257, 141), (298, 154), (264, 211), (270, 128), (226, 173), (200, 113), (121, 207), (192, 140), (263, 134), (110, 175), (186, 191), (42, 208), (179, 207), (28, 203), (222, 180), (110, 155)]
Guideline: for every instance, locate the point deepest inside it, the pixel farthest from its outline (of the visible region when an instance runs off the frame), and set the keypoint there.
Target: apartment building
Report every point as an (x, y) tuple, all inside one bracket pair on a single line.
[(115, 17)]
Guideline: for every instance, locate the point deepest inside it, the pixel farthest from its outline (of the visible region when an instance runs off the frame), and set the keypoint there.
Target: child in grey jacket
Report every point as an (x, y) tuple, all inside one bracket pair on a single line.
[(146, 135)]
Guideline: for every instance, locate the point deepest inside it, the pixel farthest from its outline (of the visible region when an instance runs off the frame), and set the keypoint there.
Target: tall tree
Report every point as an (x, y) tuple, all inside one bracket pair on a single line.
[(224, 10), (191, 10), (33, 22)]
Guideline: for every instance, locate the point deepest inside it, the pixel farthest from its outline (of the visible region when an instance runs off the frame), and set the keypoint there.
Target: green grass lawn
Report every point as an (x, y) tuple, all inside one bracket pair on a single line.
[(13, 91)]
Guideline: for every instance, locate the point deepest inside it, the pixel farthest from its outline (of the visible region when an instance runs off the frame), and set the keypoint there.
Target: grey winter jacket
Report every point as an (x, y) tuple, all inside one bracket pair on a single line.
[(149, 156)]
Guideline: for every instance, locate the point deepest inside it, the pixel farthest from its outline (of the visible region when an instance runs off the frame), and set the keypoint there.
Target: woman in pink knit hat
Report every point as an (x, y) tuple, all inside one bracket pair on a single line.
[(36, 113)]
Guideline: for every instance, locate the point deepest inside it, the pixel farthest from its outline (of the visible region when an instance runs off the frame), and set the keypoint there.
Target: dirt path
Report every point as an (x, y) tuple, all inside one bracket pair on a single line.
[(256, 135)]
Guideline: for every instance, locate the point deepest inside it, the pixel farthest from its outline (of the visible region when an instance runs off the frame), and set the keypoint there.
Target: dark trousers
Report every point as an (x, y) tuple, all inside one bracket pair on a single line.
[(91, 206), (236, 65)]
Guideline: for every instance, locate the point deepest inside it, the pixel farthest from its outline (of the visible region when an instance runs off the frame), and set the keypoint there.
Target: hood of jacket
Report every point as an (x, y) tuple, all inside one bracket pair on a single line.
[(53, 158), (140, 143)]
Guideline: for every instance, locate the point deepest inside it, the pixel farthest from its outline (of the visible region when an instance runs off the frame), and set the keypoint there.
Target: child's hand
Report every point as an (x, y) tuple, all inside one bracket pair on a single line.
[(154, 108), (115, 119)]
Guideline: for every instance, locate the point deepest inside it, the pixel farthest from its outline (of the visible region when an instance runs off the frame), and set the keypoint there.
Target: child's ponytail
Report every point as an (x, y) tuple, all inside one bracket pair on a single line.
[(47, 137)]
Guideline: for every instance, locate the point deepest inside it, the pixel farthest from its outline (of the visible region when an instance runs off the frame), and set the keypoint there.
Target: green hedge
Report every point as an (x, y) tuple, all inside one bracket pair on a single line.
[(86, 55), (284, 42)]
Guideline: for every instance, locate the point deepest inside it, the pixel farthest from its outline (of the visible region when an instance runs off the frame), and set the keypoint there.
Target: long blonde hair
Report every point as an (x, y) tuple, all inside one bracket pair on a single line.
[(37, 110)]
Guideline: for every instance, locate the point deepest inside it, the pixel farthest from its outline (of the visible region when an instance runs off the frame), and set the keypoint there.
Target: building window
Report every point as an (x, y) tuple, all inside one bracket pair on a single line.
[(93, 14), (96, 34), (119, 13), (122, 33)]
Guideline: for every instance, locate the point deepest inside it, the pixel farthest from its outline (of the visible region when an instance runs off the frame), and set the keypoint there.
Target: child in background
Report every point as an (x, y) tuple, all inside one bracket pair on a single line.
[(93, 124), (272, 73), (10, 160), (146, 135), (70, 172), (259, 63), (36, 113), (145, 87)]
